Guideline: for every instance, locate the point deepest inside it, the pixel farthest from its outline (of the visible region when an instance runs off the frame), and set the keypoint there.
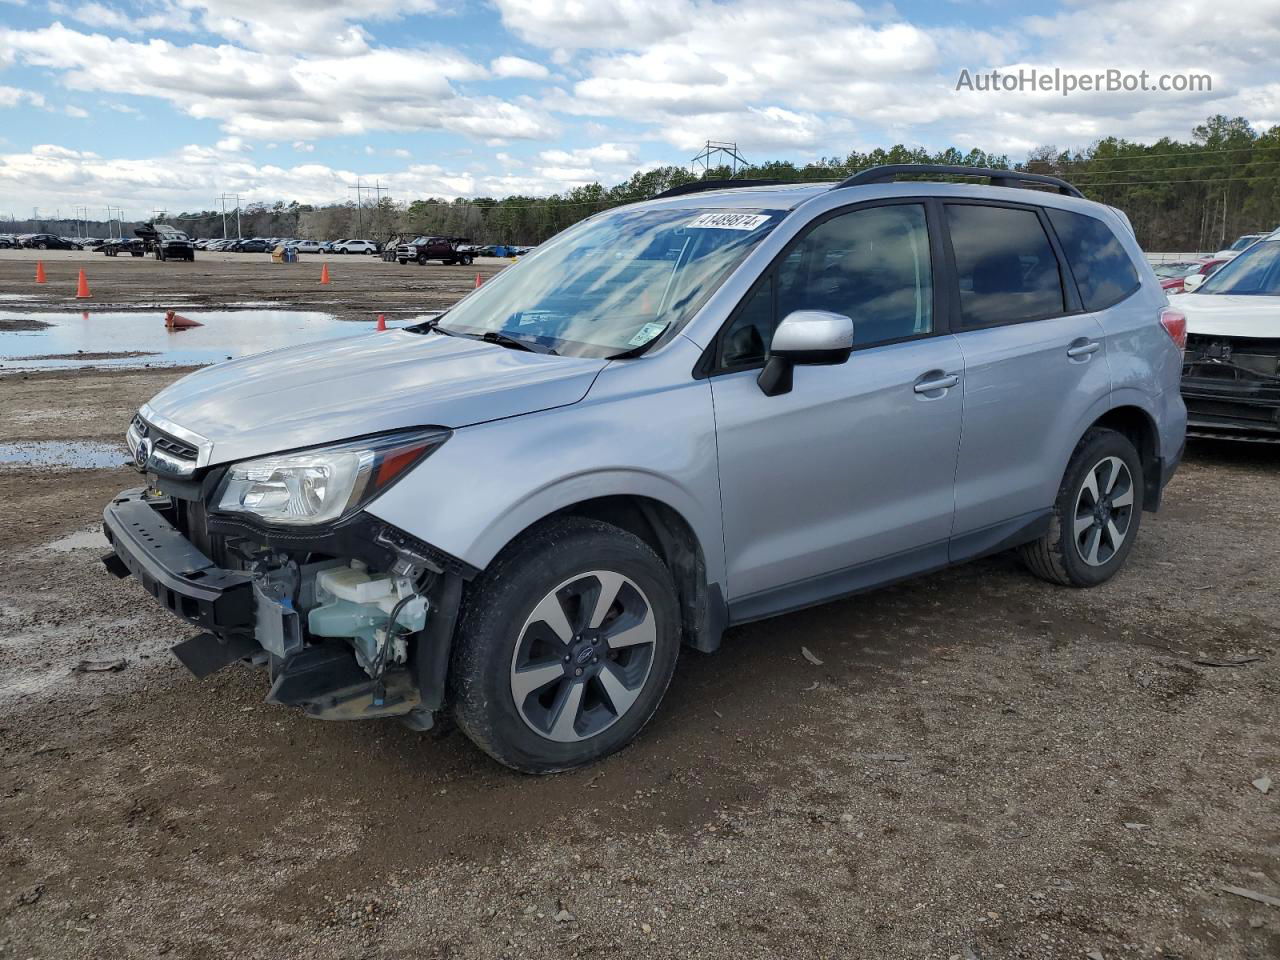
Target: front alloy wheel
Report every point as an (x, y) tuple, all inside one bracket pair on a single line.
[(564, 646), (583, 656)]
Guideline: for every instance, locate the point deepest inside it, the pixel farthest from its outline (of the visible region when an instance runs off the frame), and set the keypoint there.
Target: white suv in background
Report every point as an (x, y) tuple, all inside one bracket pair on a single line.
[(355, 246)]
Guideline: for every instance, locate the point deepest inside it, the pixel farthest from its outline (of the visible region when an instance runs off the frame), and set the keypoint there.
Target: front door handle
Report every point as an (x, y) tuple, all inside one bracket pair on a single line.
[(941, 383), (1085, 349)]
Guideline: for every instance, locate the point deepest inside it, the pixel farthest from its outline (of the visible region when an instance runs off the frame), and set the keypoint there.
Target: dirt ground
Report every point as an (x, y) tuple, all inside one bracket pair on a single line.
[(360, 287), (981, 766)]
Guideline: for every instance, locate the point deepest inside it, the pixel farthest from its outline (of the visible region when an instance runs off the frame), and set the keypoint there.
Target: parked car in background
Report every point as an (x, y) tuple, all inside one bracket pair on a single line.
[(91, 243), (1173, 276), (166, 242), (251, 245), (709, 408), (8, 242), (448, 250), (355, 246), (1231, 369), (306, 246), (133, 246), (47, 241), (1242, 244)]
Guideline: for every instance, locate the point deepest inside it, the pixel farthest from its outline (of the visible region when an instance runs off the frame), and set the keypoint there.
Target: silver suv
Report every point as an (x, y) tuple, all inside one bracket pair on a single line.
[(723, 404)]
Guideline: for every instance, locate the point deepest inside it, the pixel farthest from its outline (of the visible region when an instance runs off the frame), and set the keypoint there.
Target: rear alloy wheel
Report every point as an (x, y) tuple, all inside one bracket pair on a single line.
[(565, 646), (1096, 516)]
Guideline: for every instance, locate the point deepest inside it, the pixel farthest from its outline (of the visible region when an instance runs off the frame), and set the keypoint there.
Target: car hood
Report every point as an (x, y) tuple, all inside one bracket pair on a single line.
[(1229, 315), (337, 389)]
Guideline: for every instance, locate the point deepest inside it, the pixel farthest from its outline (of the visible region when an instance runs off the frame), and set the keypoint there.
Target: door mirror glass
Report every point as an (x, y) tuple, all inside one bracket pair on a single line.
[(813, 337), (805, 337)]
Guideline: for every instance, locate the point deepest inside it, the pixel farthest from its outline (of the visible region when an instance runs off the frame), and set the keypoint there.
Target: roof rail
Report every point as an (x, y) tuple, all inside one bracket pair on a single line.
[(697, 186), (888, 173)]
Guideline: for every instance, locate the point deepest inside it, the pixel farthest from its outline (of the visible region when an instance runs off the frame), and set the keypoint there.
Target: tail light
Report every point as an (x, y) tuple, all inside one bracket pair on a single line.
[(1175, 325)]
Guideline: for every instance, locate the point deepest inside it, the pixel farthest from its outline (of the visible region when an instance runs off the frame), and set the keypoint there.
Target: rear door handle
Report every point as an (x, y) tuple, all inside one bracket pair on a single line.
[(1083, 349), (941, 383)]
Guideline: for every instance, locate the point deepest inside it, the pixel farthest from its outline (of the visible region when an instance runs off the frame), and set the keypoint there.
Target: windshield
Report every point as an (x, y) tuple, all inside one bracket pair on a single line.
[(1244, 241), (613, 283), (1256, 272)]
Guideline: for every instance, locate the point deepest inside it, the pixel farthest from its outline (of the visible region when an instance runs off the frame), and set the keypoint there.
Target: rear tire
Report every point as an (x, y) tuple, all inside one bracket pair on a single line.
[(565, 646), (1096, 515)]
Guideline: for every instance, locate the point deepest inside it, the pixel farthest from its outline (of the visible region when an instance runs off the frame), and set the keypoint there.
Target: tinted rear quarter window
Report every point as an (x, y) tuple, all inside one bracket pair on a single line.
[(1005, 266), (1104, 273)]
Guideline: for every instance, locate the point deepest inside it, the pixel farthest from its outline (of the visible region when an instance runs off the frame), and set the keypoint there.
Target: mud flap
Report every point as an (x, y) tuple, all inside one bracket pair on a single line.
[(206, 653)]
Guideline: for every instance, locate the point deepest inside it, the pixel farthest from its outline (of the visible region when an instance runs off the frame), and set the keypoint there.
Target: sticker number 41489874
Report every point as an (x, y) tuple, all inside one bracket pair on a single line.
[(727, 221)]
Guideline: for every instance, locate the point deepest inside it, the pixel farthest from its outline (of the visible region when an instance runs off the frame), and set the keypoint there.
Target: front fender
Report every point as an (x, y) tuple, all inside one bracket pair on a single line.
[(492, 481)]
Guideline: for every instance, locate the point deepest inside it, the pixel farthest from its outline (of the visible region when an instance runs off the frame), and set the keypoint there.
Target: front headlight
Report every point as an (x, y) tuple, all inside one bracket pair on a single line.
[(324, 484)]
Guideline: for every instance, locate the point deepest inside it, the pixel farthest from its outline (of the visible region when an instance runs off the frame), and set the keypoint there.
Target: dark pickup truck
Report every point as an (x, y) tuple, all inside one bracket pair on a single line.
[(166, 242), (448, 250)]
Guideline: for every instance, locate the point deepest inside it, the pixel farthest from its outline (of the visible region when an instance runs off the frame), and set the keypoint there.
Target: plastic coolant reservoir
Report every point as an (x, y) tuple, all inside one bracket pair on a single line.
[(357, 605)]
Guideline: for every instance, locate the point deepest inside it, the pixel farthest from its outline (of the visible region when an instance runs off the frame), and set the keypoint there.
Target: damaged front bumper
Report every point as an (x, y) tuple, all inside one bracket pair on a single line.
[(1231, 386), (254, 604)]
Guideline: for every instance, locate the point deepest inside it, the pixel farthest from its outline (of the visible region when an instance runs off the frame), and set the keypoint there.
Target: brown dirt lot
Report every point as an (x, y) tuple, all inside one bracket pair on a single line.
[(360, 287), (983, 765)]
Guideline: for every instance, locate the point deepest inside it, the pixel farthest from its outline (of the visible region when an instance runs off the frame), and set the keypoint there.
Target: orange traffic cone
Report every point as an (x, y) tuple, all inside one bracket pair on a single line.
[(382, 322), (478, 281), (40, 277), (82, 288), (324, 274), (176, 321)]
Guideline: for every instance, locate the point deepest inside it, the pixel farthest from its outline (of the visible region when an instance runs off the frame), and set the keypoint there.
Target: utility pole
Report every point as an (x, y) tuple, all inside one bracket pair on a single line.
[(358, 188), (224, 198), (719, 153)]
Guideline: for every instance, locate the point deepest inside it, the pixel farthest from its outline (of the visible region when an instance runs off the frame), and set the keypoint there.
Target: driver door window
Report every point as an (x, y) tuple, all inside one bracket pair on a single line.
[(871, 265)]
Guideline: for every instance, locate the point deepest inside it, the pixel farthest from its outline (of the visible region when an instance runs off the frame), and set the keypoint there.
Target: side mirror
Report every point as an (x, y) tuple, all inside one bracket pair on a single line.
[(1192, 283), (810, 337)]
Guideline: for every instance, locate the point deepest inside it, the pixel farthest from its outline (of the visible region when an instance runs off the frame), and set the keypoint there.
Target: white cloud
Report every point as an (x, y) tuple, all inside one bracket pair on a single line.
[(232, 145), (594, 23), (518, 67), (16, 96), (264, 95), (191, 176)]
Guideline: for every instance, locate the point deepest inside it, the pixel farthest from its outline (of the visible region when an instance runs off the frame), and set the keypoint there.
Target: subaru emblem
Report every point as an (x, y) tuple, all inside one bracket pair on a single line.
[(141, 454)]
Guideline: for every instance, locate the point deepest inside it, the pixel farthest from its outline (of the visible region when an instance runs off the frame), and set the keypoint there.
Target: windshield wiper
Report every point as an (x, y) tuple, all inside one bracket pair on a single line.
[(515, 343)]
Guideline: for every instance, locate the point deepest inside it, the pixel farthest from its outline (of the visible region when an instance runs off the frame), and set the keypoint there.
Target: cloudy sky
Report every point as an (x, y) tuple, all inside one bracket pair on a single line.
[(169, 103)]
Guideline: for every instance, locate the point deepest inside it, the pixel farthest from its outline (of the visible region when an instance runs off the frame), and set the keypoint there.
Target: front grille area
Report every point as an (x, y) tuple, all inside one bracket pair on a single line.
[(176, 448), (172, 446)]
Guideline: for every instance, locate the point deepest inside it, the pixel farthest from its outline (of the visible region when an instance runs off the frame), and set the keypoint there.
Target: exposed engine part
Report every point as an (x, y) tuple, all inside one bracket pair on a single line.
[(375, 611)]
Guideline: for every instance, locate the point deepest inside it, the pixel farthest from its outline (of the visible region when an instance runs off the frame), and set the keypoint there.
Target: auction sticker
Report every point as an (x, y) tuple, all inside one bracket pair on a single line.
[(647, 333), (728, 221)]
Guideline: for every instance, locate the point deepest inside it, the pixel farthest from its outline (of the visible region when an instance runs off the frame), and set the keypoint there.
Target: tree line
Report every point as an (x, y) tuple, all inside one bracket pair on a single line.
[(1198, 194)]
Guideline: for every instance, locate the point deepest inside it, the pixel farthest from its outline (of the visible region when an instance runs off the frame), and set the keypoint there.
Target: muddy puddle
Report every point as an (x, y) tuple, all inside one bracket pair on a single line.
[(82, 454), (135, 339)]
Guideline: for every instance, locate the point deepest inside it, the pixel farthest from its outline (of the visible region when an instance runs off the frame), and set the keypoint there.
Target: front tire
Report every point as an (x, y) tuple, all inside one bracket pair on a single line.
[(1096, 515), (565, 646)]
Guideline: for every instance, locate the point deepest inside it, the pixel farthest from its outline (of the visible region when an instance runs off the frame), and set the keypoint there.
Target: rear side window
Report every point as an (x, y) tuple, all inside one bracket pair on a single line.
[(1005, 265), (1104, 273)]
